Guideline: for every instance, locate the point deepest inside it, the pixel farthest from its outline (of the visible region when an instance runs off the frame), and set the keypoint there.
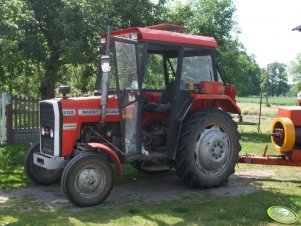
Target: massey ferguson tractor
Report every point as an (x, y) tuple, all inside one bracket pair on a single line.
[(162, 104)]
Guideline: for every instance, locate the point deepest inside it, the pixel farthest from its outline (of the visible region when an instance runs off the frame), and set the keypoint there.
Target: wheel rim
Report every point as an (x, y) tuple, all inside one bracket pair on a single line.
[(212, 150), (89, 181)]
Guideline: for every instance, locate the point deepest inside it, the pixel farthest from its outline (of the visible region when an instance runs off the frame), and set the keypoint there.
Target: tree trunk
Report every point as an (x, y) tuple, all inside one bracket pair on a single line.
[(47, 90), (47, 87)]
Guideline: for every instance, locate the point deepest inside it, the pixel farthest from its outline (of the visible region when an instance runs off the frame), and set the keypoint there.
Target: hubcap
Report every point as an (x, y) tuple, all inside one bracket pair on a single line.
[(89, 181), (212, 150)]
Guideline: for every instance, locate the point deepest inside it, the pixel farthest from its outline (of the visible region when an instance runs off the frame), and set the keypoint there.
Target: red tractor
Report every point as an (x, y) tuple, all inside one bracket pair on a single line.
[(164, 104)]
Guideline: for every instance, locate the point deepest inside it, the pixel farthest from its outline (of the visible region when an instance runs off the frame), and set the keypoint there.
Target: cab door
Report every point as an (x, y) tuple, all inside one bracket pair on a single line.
[(128, 90)]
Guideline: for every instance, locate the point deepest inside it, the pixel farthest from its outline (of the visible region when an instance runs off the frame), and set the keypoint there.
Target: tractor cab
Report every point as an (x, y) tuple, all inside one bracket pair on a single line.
[(157, 71)]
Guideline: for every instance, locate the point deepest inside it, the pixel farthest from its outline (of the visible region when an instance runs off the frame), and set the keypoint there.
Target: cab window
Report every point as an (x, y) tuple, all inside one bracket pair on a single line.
[(197, 66)]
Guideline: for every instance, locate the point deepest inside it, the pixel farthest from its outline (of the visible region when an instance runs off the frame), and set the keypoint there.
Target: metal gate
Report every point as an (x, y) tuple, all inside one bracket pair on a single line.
[(4, 99)]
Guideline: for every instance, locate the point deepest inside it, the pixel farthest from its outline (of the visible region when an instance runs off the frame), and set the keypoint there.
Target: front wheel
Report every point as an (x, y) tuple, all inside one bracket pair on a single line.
[(208, 149), (87, 179), (38, 174)]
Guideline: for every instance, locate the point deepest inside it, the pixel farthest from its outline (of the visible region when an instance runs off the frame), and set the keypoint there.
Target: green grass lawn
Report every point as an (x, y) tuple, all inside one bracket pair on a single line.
[(278, 186), (11, 167), (271, 100)]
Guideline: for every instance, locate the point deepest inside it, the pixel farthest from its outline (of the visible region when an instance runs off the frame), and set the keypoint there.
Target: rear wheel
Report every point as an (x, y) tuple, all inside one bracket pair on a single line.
[(87, 179), (208, 149), (39, 174)]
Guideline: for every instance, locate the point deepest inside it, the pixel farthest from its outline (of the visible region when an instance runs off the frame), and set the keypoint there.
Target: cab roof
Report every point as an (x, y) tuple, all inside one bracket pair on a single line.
[(165, 33)]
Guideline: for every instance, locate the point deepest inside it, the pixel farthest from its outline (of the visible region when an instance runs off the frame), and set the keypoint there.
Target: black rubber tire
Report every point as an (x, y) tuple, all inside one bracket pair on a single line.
[(88, 160), (185, 162), (38, 174)]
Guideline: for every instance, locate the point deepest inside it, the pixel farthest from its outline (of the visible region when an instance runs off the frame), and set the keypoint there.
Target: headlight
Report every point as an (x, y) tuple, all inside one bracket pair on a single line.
[(51, 133), (43, 131)]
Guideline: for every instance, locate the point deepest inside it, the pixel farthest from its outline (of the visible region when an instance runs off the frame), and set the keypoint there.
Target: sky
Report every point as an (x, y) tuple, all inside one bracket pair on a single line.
[(266, 29)]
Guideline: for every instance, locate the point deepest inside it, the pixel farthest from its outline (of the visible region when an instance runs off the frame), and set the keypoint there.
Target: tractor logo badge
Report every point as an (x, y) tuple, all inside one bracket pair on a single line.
[(69, 112)]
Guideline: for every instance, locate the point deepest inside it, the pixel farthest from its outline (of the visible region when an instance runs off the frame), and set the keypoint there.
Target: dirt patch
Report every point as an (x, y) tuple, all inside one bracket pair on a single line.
[(240, 183), (154, 189)]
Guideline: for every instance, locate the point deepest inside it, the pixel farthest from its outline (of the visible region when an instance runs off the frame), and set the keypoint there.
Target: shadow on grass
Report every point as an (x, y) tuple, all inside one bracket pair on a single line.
[(245, 210), (202, 209)]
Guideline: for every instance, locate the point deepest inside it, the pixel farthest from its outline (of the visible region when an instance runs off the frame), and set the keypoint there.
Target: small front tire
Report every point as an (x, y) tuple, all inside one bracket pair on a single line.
[(39, 174), (88, 179)]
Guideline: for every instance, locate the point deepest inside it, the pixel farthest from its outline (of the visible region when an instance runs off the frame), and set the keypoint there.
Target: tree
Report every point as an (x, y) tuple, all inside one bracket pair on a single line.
[(295, 68), (295, 71), (17, 73), (45, 43), (215, 18), (295, 89), (51, 37), (239, 68), (276, 79)]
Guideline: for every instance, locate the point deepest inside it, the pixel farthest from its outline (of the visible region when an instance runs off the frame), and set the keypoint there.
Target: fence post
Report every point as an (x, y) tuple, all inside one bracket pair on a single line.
[(5, 117), (2, 123), (9, 124)]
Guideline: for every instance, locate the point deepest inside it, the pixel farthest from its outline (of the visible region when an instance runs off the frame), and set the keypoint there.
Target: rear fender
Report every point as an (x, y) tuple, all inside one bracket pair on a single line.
[(113, 156), (202, 101)]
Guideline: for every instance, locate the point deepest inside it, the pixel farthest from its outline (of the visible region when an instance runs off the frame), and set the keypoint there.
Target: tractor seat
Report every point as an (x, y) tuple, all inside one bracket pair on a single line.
[(165, 100)]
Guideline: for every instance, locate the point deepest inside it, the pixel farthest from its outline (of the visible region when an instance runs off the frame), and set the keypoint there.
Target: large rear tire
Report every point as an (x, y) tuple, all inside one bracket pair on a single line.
[(88, 179), (39, 174), (208, 149)]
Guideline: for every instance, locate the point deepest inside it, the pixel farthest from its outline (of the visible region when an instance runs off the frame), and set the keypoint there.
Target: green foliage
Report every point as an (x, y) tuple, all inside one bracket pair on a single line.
[(11, 167), (275, 79), (295, 68), (215, 18), (41, 40), (12, 156), (17, 74), (295, 89), (154, 74), (239, 68), (44, 43)]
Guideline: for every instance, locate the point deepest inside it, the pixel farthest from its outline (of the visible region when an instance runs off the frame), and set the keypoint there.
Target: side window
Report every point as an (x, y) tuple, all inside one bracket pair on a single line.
[(154, 72), (126, 65), (196, 67)]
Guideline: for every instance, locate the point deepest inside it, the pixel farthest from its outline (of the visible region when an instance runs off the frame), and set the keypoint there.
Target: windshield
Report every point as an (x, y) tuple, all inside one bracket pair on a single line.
[(196, 69), (126, 65), (197, 66)]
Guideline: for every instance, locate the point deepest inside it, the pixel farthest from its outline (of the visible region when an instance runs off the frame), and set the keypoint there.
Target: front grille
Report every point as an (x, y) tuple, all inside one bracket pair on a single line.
[(47, 121)]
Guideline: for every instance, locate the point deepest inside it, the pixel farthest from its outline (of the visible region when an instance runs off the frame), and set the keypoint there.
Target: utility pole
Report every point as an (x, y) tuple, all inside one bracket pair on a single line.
[(267, 86)]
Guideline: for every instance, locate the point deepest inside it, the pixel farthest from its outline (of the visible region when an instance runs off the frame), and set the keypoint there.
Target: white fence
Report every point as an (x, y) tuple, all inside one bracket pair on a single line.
[(4, 100)]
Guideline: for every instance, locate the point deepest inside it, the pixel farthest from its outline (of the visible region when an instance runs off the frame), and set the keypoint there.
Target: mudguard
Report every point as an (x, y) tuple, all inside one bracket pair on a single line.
[(111, 153)]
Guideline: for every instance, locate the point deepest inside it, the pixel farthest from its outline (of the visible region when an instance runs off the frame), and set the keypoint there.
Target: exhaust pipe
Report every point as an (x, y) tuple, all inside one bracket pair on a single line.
[(106, 68)]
